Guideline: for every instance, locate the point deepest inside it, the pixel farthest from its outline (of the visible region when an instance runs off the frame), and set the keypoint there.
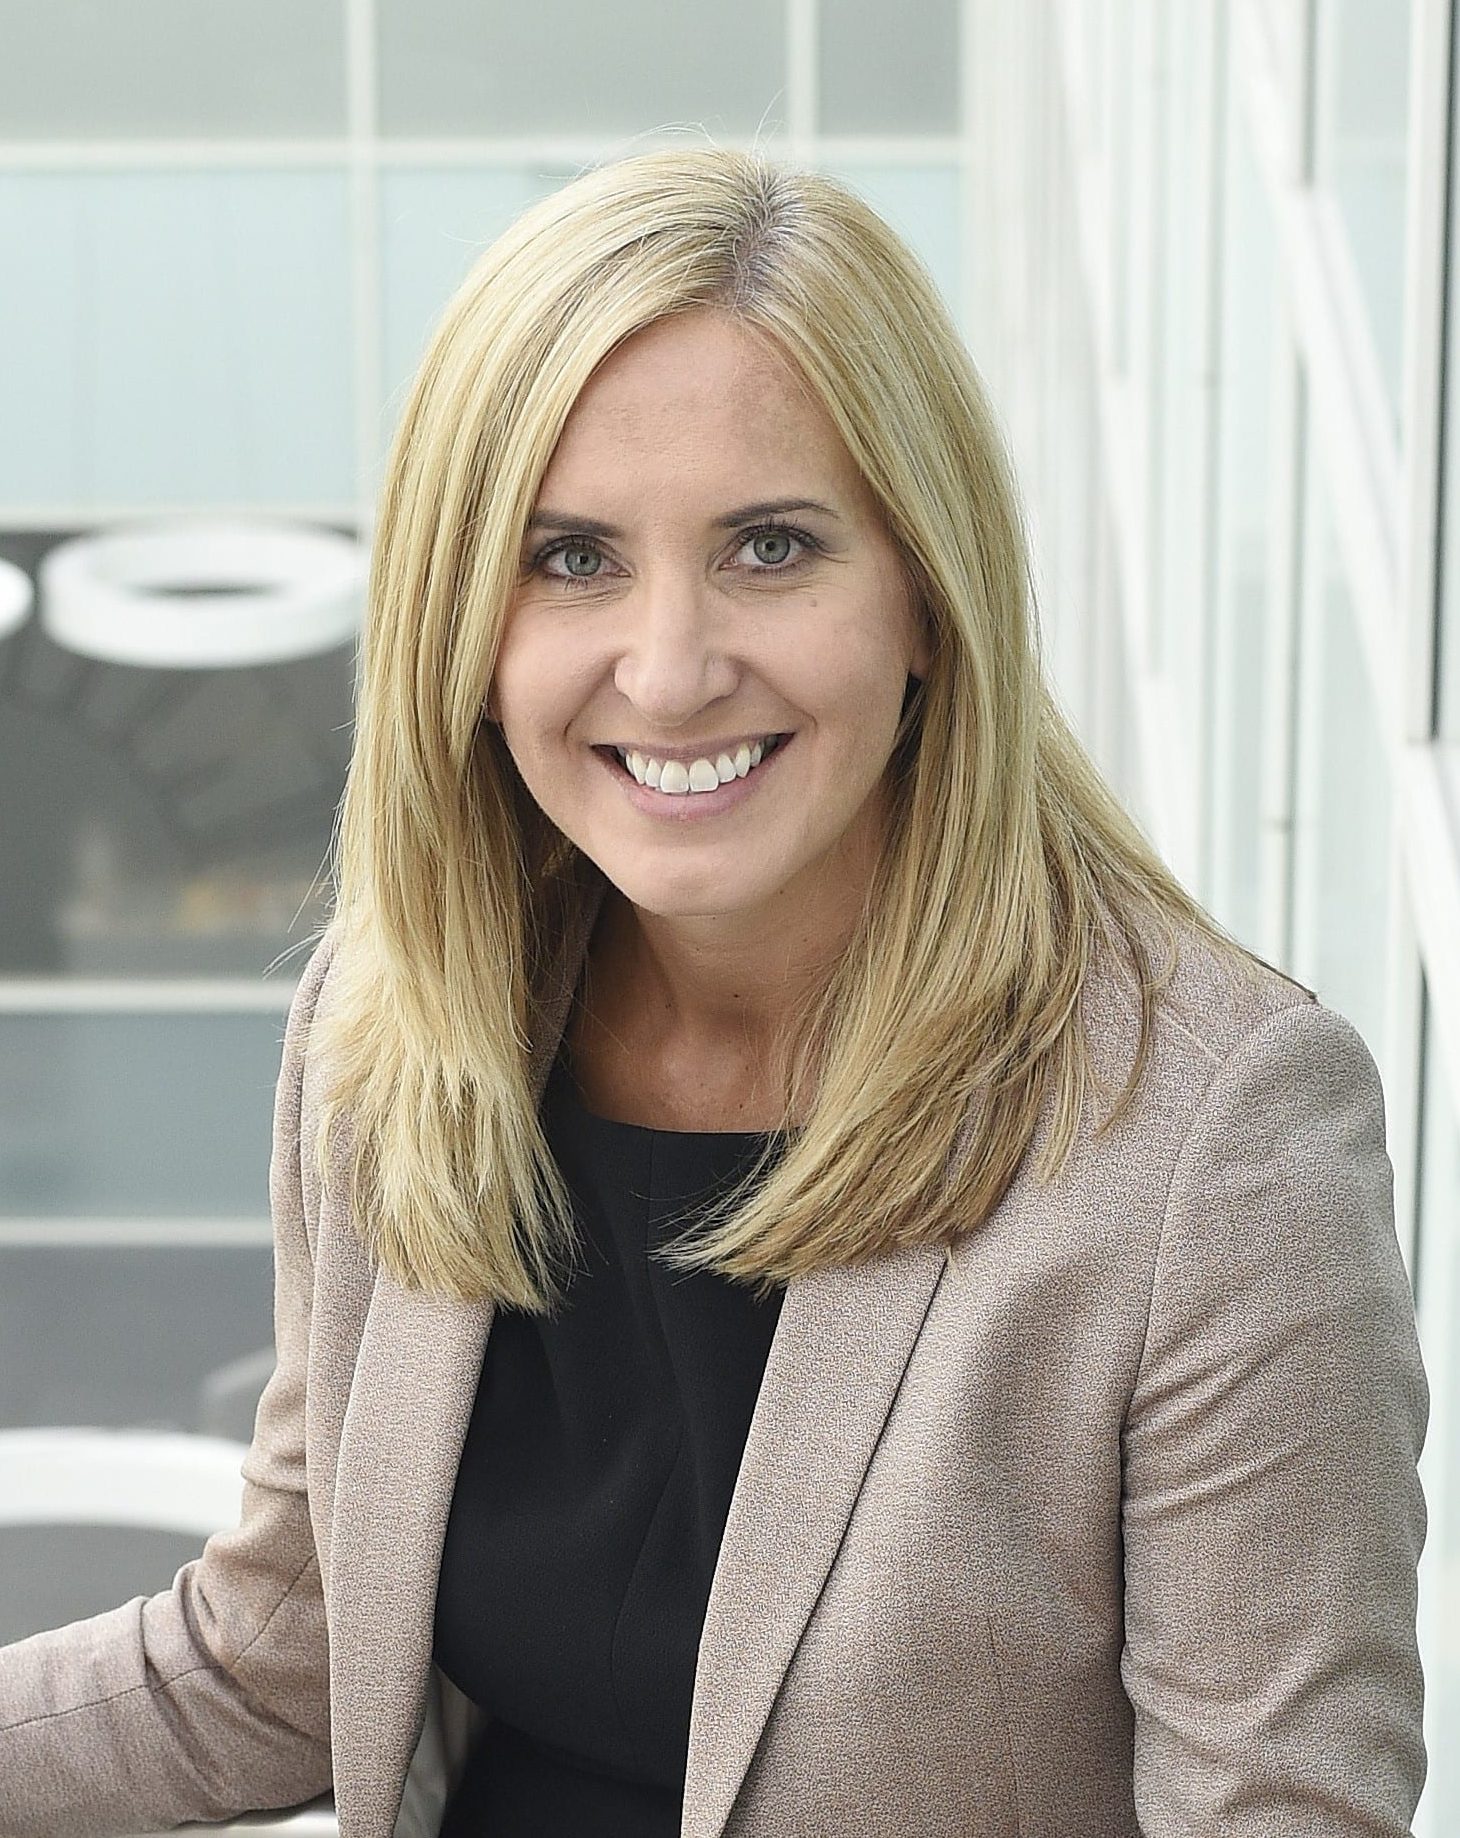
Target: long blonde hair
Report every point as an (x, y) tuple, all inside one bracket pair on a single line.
[(954, 1016)]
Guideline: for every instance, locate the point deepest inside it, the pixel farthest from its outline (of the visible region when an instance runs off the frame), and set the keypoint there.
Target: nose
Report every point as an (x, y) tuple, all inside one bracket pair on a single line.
[(671, 660)]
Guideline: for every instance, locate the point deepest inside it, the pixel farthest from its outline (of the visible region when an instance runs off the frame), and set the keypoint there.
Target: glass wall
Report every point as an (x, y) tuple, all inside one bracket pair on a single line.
[(239, 224), (1447, 632), (1251, 330), (1289, 652), (1362, 124), (1342, 836), (1182, 374)]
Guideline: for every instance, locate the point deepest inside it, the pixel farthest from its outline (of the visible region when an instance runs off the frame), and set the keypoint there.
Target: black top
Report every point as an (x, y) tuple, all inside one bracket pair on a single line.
[(591, 1498)]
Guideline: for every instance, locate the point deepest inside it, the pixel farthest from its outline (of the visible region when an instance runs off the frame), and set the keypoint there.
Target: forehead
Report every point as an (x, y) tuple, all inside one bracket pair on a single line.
[(699, 395)]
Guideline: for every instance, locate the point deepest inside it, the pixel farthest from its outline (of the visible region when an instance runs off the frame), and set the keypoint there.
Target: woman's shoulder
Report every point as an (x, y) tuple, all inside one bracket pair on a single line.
[(1222, 1024), (1207, 994), (1244, 1071)]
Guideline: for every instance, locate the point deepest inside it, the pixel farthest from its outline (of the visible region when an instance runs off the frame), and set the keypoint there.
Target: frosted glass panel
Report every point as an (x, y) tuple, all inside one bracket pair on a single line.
[(434, 224), (157, 69), (574, 67), (1448, 637), (1439, 1326), (180, 338), (164, 1115), (1250, 330), (922, 204), (163, 823), (1447, 640), (1287, 29), (1177, 509), (134, 1336), (1090, 21), (53, 1575), (884, 70), (1117, 51), (1362, 84), (1342, 836), (174, 1337), (1069, 511)]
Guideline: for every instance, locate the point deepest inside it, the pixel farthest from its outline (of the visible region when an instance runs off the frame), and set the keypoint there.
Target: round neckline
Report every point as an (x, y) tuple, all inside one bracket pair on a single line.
[(568, 1087)]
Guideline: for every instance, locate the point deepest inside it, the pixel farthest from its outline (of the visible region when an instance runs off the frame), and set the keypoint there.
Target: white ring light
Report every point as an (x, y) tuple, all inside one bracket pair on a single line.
[(16, 595), (205, 594)]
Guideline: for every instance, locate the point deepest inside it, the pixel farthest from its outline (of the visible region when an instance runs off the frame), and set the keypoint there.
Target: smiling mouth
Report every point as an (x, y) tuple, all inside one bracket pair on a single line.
[(694, 790), (727, 765)]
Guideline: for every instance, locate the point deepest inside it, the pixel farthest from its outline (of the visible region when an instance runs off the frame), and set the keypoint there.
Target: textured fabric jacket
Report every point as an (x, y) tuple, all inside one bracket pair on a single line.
[(1108, 1525)]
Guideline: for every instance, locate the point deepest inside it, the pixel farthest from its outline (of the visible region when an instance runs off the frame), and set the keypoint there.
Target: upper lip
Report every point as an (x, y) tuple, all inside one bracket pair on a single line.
[(710, 749)]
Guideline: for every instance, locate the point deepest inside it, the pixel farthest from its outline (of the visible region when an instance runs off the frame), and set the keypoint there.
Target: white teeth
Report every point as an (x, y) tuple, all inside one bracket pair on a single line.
[(700, 775)]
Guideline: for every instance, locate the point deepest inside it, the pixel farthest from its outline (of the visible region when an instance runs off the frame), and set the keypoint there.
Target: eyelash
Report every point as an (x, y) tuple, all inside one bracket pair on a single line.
[(772, 526)]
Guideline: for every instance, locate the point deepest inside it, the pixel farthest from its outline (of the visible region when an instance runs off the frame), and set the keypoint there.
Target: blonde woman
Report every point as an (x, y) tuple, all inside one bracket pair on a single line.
[(817, 1291)]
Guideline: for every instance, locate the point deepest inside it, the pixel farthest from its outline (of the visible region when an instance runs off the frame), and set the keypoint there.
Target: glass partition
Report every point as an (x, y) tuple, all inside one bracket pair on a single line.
[(874, 81), (121, 1337), (1361, 122), (170, 822), (1341, 843), (1252, 327), (455, 67)]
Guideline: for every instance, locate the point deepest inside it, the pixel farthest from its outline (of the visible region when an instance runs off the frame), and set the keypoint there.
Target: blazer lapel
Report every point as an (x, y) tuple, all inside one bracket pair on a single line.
[(408, 1412), (410, 1404), (840, 1347), (837, 1357)]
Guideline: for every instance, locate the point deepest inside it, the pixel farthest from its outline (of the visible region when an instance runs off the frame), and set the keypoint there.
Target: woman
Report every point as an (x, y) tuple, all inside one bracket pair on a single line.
[(950, 1366)]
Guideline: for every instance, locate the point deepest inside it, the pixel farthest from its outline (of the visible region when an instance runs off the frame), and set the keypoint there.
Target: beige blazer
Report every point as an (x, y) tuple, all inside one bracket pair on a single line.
[(1107, 1526)]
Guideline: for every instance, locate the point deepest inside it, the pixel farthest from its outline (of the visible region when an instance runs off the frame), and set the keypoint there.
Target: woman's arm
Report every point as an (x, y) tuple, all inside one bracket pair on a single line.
[(1272, 1512), (211, 1698)]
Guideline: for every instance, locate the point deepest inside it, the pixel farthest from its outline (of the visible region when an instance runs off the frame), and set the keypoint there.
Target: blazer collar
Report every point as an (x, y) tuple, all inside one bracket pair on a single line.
[(841, 1344)]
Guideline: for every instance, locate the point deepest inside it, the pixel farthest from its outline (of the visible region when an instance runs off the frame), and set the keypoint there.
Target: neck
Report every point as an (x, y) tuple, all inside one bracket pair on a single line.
[(693, 986), (712, 984)]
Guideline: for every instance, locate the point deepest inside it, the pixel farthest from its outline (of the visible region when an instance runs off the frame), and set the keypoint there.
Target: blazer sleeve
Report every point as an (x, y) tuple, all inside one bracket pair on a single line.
[(212, 1697), (1272, 1512)]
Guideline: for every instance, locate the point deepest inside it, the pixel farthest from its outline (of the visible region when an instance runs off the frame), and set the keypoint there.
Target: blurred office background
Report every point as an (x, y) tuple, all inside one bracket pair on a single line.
[(1202, 252)]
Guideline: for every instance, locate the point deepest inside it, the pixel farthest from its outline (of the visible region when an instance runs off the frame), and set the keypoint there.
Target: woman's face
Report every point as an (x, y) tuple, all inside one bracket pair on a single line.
[(657, 614)]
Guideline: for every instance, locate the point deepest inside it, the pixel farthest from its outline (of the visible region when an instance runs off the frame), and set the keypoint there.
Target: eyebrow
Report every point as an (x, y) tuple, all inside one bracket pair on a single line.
[(591, 526)]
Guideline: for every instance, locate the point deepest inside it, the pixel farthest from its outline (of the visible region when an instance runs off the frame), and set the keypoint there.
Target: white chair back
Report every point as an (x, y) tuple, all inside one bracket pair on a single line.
[(157, 1479), (160, 1480)]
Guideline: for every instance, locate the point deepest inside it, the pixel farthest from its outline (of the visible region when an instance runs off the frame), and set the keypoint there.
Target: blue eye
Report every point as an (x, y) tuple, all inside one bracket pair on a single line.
[(571, 546), (584, 547), (777, 534)]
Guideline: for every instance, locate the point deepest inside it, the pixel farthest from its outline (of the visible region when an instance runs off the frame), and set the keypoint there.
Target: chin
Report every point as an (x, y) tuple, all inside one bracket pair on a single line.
[(684, 893)]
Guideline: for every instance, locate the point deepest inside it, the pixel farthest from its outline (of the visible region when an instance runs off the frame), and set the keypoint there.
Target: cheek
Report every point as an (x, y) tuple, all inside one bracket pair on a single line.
[(863, 674), (532, 692)]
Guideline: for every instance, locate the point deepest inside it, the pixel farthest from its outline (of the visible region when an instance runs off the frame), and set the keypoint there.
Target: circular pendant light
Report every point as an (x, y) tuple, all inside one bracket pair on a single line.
[(204, 594), (16, 595)]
